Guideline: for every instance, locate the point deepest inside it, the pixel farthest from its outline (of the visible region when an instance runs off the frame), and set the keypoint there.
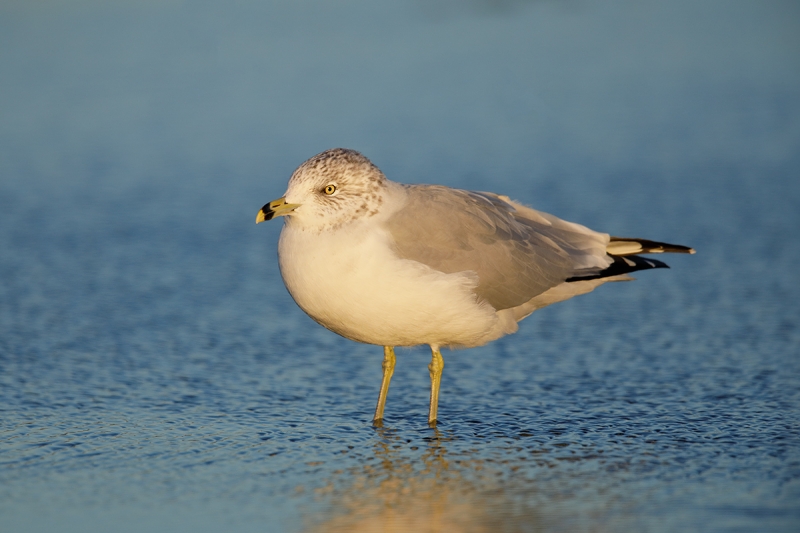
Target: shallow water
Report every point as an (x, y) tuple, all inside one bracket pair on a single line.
[(155, 375)]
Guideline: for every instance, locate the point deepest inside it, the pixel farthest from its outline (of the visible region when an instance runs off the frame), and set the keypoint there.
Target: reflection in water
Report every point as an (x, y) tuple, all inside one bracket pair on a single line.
[(431, 492)]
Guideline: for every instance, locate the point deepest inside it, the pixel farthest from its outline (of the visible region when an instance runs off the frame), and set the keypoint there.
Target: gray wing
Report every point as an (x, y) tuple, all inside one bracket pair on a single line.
[(518, 253)]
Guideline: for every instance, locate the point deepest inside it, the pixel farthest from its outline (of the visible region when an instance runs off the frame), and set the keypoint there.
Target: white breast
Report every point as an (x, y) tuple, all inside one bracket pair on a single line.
[(351, 282)]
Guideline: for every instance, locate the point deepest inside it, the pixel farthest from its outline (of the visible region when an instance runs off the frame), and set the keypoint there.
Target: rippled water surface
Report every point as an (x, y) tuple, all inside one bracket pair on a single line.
[(156, 376)]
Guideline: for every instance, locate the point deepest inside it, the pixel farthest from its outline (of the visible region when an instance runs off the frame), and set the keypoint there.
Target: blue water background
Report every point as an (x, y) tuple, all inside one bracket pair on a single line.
[(156, 376)]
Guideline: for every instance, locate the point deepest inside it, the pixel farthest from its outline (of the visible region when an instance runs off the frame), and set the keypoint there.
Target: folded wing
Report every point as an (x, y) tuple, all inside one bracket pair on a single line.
[(517, 252)]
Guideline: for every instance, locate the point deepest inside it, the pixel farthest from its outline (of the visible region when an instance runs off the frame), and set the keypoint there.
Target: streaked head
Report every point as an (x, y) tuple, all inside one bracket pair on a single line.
[(329, 190)]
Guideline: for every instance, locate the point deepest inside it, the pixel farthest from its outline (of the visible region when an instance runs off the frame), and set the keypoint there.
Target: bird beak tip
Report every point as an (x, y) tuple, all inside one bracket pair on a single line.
[(276, 208)]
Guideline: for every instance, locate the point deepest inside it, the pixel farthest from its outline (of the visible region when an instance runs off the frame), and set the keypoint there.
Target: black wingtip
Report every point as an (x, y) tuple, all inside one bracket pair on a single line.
[(621, 265)]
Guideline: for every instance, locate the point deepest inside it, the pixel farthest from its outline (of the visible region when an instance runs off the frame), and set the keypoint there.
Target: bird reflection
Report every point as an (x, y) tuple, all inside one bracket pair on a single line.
[(425, 492)]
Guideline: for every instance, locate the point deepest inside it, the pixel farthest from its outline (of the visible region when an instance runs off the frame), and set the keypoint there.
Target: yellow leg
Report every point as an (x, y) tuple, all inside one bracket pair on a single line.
[(388, 370), (435, 369)]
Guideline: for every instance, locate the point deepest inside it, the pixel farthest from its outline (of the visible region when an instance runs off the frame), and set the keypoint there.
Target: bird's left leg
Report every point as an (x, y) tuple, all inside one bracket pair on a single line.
[(435, 369), (388, 370)]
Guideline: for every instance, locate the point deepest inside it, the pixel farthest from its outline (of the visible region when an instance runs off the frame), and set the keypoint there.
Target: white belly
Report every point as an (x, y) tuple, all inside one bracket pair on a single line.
[(353, 284)]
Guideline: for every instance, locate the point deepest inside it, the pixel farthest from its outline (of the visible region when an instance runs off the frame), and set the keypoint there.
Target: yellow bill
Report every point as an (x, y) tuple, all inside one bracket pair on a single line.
[(276, 208)]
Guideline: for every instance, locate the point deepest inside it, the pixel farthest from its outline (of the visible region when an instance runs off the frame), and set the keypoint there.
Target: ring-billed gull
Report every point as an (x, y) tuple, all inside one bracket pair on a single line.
[(390, 264)]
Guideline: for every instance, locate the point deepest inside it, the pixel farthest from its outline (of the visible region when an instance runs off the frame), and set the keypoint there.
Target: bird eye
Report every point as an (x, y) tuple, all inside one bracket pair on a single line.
[(330, 189)]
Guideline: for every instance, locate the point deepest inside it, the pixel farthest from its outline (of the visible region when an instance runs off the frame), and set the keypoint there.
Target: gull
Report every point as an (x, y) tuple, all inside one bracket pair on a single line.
[(384, 263)]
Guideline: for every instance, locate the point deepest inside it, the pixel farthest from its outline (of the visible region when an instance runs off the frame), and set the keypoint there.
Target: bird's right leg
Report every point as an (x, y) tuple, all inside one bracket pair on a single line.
[(435, 369), (388, 370)]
